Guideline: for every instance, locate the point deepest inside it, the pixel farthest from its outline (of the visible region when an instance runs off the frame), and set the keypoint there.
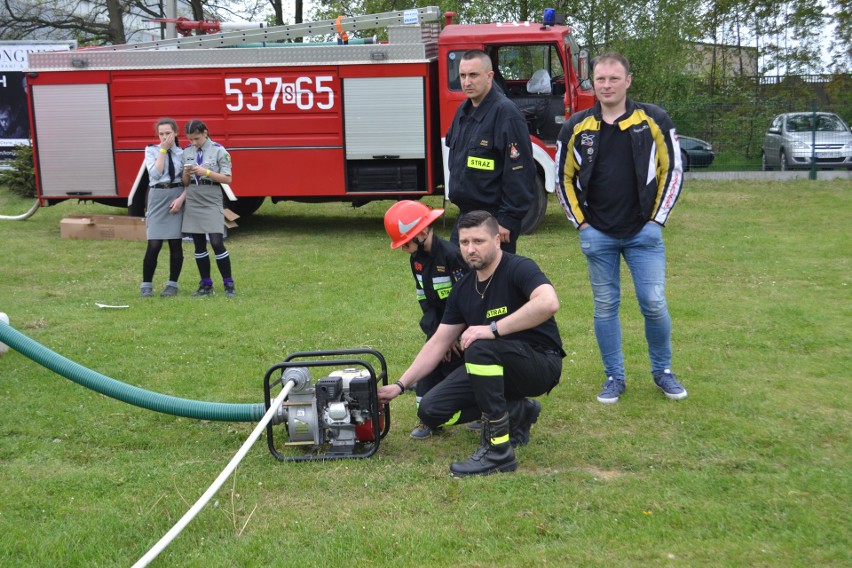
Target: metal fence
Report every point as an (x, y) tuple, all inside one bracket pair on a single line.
[(735, 117)]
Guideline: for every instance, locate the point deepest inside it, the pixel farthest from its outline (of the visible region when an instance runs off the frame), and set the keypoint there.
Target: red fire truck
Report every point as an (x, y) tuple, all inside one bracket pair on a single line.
[(307, 122)]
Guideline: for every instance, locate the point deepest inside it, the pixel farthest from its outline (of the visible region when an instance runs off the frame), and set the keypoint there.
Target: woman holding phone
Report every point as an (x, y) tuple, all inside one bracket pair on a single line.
[(206, 166)]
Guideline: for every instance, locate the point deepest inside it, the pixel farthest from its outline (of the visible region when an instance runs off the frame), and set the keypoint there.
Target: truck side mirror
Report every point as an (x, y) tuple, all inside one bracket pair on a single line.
[(583, 63), (583, 70)]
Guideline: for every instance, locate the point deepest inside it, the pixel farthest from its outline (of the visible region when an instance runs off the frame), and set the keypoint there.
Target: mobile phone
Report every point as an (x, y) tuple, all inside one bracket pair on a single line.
[(187, 166)]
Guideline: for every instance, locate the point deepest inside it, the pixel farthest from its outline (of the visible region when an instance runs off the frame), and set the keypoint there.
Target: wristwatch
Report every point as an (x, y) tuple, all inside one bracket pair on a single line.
[(494, 329)]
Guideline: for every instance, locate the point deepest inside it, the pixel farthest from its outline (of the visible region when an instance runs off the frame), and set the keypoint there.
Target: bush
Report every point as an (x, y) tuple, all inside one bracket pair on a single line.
[(20, 177)]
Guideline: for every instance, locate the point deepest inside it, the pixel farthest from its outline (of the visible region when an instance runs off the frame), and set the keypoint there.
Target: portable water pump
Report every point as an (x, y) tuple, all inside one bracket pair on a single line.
[(335, 416)]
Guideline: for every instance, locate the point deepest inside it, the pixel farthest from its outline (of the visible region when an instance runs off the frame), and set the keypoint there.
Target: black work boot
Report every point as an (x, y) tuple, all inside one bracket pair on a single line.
[(494, 455), (523, 413)]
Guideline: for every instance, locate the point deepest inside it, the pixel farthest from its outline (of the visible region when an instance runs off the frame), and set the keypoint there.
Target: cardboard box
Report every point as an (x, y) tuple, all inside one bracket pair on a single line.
[(230, 219), (103, 227)]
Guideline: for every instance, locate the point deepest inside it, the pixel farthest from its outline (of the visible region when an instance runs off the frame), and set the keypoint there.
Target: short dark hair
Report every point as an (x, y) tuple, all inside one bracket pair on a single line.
[(611, 56), (481, 55), (479, 218), (195, 126)]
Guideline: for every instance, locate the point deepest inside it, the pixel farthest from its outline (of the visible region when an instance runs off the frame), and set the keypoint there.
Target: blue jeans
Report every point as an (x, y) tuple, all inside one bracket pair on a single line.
[(645, 256)]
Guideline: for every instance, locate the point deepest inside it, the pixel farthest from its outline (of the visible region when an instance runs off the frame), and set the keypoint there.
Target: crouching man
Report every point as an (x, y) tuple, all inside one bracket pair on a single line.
[(502, 314)]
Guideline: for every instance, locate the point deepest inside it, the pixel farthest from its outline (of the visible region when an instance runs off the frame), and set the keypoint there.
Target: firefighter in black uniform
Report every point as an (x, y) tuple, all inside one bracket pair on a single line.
[(490, 154), (502, 312), (436, 266)]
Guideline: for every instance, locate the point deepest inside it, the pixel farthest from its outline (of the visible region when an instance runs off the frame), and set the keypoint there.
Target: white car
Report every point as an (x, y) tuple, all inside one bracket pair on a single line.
[(793, 139)]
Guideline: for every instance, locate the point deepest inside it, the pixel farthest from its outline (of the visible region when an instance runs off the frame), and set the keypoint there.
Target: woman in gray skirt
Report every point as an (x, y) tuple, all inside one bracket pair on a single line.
[(165, 198), (206, 165)]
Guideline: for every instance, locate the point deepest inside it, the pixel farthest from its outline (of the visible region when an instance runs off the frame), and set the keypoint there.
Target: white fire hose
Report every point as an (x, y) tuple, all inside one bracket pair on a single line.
[(23, 217), (226, 473)]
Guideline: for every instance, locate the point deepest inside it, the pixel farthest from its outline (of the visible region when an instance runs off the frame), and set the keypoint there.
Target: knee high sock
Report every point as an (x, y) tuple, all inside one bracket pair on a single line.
[(202, 257), (223, 259)]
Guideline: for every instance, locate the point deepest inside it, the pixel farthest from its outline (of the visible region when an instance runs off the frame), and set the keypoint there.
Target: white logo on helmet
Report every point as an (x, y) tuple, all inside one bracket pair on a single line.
[(405, 227)]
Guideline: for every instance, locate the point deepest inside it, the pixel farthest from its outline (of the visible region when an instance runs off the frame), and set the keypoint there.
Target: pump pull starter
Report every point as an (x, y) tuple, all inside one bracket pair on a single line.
[(334, 417)]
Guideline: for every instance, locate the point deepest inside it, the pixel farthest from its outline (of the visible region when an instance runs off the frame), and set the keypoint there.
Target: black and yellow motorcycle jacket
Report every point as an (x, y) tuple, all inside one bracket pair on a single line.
[(656, 153)]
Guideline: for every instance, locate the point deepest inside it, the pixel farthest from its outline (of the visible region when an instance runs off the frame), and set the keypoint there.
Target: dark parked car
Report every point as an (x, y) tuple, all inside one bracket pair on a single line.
[(695, 153), (789, 140)]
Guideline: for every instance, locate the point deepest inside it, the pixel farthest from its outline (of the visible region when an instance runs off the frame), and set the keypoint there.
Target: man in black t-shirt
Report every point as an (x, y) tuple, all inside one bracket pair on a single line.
[(502, 314)]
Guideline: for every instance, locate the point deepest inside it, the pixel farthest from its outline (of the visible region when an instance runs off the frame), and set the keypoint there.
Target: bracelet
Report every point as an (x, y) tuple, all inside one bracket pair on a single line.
[(401, 387), (163, 151), (207, 174)]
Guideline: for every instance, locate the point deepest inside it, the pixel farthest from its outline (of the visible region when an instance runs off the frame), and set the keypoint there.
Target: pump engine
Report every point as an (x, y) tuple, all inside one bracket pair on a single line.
[(335, 416)]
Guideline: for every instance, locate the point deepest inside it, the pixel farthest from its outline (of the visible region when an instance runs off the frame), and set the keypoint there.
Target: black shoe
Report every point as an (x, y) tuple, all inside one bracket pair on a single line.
[(487, 460), (203, 291), (495, 455), (230, 292), (523, 413)]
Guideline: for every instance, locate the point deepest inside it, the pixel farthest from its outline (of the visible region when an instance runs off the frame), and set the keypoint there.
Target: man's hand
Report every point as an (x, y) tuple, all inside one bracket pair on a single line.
[(455, 349), (387, 393), (475, 332), (504, 234)]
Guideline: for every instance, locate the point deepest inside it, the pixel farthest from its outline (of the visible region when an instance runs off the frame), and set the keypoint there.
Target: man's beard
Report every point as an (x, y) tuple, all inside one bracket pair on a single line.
[(481, 262)]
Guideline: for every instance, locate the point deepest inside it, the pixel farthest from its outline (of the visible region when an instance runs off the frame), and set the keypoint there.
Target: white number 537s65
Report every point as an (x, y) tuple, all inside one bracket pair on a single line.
[(305, 92)]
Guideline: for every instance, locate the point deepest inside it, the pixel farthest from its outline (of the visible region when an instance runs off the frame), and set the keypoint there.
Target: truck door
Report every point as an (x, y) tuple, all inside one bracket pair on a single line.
[(82, 165), (533, 77)]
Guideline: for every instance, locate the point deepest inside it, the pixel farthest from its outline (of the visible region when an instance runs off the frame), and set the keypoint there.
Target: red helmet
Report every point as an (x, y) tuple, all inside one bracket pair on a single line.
[(405, 219)]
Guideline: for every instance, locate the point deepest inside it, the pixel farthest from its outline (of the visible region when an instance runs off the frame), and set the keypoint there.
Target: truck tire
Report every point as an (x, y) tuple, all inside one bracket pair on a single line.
[(140, 201), (244, 206), (538, 208)]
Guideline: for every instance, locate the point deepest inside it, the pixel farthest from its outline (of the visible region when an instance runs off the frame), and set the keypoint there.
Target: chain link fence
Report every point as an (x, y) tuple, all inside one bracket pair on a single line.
[(735, 117)]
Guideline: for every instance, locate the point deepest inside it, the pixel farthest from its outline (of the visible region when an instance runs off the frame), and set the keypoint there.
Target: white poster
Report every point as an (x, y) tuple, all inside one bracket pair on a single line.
[(14, 117)]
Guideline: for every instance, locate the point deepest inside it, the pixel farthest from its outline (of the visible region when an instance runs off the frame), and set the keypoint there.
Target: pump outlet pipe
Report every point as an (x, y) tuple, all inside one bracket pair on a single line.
[(127, 393)]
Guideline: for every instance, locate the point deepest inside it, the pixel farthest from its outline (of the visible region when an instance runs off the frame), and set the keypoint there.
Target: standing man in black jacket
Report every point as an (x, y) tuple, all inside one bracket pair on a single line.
[(621, 174), (490, 154)]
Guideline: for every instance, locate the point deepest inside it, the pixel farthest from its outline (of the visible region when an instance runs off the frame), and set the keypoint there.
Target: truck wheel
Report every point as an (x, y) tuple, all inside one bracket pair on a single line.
[(244, 206), (137, 207), (538, 208)]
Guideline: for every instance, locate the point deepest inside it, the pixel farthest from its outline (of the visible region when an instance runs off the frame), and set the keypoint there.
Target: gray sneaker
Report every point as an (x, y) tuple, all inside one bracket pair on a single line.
[(422, 432), (612, 389), (670, 386), (203, 291), (169, 291), (230, 292), (146, 292)]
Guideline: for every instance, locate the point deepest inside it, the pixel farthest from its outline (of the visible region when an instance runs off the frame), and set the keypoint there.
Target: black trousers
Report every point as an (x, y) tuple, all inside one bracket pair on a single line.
[(441, 372), (495, 371)]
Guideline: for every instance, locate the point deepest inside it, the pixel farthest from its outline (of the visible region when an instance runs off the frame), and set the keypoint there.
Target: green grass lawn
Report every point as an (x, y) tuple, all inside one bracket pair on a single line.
[(753, 469)]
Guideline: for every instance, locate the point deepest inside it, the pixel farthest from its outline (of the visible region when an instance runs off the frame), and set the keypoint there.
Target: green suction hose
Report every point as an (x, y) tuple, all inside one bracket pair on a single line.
[(124, 392)]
